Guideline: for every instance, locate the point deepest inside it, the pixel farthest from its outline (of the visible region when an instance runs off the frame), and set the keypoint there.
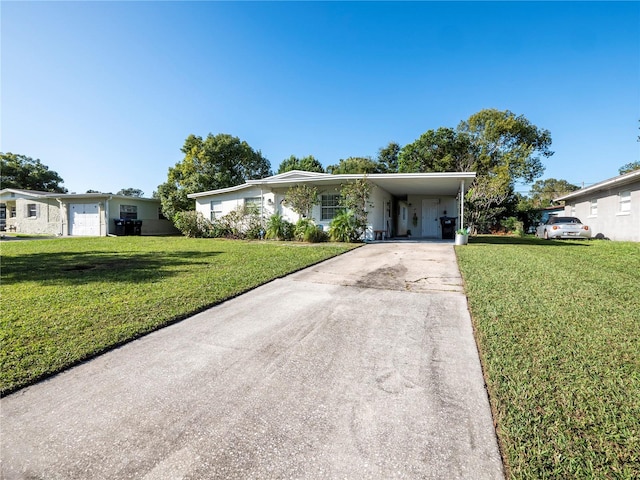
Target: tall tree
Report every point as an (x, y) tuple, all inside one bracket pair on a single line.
[(131, 192), (354, 165), (388, 158), (218, 161), (499, 146), (307, 164), (629, 167), (22, 172), (441, 150), (544, 191)]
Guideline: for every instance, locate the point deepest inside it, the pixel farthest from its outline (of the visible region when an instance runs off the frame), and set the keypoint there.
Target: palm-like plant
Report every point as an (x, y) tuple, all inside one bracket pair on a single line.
[(278, 228), (344, 227)]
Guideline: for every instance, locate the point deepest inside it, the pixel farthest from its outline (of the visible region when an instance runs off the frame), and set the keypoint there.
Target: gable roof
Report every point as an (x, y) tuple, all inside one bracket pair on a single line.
[(439, 183), (614, 182), (69, 196)]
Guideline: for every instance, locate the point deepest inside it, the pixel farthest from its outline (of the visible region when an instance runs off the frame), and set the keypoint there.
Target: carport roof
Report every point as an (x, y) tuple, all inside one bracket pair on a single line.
[(440, 183)]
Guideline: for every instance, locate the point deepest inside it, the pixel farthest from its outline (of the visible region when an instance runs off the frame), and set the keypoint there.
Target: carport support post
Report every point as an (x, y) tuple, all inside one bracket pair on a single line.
[(462, 204)]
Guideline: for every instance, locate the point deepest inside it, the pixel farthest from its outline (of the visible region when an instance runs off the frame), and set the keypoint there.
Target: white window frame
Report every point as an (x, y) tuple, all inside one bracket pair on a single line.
[(216, 209), (32, 210), (624, 202), (253, 202), (593, 208), (329, 206), (129, 212)]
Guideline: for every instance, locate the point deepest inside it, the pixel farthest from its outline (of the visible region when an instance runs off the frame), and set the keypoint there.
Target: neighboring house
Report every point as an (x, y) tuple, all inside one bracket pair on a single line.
[(403, 204), (611, 208), (70, 214)]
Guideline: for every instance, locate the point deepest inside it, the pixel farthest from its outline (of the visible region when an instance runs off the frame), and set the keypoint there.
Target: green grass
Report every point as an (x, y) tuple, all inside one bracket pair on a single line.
[(558, 329), (65, 300)]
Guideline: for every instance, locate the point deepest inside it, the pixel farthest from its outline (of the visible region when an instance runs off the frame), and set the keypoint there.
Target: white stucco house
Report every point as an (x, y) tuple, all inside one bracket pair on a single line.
[(88, 214), (611, 208), (403, 204)]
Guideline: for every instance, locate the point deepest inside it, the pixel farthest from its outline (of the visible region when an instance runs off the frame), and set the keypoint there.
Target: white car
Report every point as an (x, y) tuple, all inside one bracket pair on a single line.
[(563, 227)]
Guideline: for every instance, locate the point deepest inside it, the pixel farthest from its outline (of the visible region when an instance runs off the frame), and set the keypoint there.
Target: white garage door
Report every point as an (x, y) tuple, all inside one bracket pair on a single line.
[(84, 219)]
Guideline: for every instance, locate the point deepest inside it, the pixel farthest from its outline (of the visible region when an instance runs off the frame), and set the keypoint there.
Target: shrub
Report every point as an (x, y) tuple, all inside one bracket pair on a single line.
[(243, 222), (193, 224), (306, 230), (278, 228), (512, 225), (344, 227)]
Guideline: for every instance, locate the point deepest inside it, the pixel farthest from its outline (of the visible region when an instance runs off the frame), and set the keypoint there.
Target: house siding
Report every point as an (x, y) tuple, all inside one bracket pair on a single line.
[(609, 222), (46, 221)]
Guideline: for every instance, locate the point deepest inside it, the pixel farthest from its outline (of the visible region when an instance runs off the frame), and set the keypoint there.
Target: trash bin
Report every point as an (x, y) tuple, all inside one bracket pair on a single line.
[(128, 227), (448, 225), (119, 226), (137, 227)]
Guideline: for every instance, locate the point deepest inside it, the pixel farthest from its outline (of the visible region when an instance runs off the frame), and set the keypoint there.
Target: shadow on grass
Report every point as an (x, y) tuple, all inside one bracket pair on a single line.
[(529, 240), (72, 268)]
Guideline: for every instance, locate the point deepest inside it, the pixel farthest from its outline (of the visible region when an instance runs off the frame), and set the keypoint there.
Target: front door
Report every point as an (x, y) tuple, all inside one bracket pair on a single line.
[(403, 218), (430, 218)]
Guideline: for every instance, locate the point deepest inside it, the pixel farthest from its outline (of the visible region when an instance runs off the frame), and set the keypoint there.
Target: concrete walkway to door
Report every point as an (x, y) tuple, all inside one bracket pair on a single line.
[(363, 366)]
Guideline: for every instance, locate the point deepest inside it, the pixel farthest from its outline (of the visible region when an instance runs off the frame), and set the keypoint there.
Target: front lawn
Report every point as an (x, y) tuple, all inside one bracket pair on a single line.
[(65, 300), (558, 329)]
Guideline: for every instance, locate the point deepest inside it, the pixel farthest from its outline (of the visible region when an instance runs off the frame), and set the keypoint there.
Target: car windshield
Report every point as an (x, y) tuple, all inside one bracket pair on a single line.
[(564, 220)]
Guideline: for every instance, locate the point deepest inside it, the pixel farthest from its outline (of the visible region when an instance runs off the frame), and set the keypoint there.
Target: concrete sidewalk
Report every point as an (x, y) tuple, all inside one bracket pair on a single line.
[(363, 366)]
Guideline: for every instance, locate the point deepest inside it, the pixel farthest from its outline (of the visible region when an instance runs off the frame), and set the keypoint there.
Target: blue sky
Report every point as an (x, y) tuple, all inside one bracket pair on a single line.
[(105, 93)]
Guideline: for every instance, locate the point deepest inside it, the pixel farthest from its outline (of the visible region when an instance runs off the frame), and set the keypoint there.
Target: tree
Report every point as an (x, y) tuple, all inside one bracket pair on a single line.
[(216, 162), (22, 172), (629, 167), (388, 158), (354, 165), (131, 192), (499, 146), (307, 164), (354, 198), (301, 199), (441, 150), (543, 192)]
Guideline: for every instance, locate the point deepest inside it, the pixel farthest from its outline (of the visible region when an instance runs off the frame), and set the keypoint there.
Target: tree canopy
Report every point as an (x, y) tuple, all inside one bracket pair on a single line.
[(388, 158), (131, 192), (218, 161), (441, 150), (354, 165), (307, 164), (22, 172), (629, 167), (544, 191), (500, 146)]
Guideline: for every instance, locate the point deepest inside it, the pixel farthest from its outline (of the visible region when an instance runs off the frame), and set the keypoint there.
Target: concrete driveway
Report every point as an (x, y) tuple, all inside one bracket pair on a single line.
[(363, 366)]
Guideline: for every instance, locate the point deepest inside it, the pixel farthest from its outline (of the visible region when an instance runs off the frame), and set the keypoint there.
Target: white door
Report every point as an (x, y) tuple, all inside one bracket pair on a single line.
[(403, 218), (429, 218), (84, 219)]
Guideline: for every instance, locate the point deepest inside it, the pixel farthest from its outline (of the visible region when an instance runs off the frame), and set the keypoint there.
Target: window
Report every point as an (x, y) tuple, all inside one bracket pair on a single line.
[(593, 212), (253, 202), (32, 210), (330, 204), (216, 210), (625, 202), (12, 211), (129, 212)]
